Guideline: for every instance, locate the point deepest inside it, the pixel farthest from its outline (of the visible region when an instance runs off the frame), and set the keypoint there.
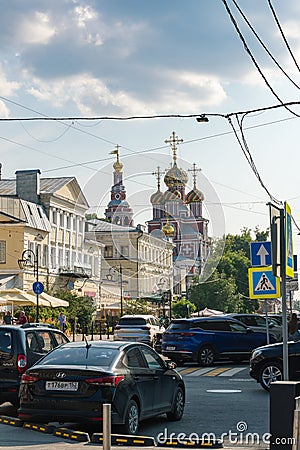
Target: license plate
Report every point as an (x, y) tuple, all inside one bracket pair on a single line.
[(170, 348), (61, 385)]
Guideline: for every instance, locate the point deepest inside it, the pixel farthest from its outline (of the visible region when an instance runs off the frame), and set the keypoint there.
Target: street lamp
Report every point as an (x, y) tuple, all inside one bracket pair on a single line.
[(120, 279), (31, 259)]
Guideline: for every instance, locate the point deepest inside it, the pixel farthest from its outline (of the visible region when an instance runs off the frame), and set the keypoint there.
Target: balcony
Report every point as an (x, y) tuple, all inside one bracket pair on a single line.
[(77, 271)]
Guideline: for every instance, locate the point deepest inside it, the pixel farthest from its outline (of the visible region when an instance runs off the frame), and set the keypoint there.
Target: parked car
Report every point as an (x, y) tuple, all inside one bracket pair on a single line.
[(259, 323), (206, 339), (21, 347), (266, 363), (138, 328), (71, 384)]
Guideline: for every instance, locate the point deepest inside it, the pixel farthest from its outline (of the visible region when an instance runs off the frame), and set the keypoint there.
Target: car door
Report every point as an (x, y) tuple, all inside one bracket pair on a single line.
[(7, 358), (142, 378), (243, 340), (164, 381)]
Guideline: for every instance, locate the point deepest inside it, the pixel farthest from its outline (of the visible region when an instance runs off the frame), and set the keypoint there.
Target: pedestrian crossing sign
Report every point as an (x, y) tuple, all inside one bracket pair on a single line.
[(262, 283)]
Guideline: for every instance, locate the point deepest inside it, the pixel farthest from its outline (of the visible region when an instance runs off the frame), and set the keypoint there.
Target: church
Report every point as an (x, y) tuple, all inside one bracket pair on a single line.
[(179, 215)]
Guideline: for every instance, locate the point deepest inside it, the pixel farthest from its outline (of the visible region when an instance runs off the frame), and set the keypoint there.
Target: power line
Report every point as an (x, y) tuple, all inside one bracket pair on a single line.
[(263, 44), (247, 49), (282, 34)]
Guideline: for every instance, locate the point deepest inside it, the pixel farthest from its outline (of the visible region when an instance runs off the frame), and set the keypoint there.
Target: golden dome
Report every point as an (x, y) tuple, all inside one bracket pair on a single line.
[(194, 196), (118, 166), (176, 177), (172, 196), (168, 230)]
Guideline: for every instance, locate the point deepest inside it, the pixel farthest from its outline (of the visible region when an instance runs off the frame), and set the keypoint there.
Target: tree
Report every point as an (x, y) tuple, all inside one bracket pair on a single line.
[(81, 307), (227, 288), (183, 308)]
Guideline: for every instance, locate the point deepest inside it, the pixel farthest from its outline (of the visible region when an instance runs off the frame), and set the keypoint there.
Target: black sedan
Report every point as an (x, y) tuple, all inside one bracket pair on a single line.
[(266, 363), (72, 382)]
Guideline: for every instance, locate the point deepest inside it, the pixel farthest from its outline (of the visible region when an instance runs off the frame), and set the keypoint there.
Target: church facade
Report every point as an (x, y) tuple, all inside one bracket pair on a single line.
[(179, 216)]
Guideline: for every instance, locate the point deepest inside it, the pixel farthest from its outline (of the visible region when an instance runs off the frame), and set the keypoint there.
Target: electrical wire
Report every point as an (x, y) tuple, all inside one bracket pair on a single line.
[(263, 44), (282, 34), (247, 49)]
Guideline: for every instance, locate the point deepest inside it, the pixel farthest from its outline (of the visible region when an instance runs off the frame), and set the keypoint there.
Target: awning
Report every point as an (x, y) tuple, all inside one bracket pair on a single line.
[(18, 297)]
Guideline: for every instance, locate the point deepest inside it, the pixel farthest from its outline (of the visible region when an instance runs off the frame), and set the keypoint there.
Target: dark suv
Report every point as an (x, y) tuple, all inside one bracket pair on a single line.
[(206, 339), (20, 347)]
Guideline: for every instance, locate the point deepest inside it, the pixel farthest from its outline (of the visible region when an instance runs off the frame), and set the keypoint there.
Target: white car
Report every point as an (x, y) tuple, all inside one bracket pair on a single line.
[(138, 328)]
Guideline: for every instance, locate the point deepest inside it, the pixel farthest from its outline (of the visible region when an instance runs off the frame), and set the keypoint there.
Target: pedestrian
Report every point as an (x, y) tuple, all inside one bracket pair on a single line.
[(294, 334), (22, 318), (62, 321), (8, 318)]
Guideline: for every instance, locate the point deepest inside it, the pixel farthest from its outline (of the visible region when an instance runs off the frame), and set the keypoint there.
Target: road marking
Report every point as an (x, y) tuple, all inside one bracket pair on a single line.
[(215, 372), (188, 370), (232, 371), (224, 391), (201, 371)]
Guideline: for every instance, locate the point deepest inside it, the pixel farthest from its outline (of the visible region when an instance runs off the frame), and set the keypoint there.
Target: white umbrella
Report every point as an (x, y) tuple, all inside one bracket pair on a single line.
[(18, 297), (206, 312), (54, 302)]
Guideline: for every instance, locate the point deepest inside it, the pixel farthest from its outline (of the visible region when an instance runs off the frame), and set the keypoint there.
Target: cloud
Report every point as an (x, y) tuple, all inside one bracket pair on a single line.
[(36, 29)]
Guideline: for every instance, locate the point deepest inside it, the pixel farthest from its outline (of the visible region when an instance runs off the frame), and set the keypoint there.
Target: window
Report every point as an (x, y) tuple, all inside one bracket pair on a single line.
[(124, 251), (260, 321), (213, 325), (45, 256), (60, 338), (2, 252), (53, 257), (5, 342), (134, 358), (237, 327), (152, 359), (69, 222), (108, 251)]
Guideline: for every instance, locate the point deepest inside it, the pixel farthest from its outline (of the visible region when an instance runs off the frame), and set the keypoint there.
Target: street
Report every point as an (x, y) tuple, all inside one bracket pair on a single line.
[(219, 399)]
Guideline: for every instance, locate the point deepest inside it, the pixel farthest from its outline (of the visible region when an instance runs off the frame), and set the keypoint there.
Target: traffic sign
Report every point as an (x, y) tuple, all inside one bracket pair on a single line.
[(289, 242), (38, 287), (262, 283), (261, 254)]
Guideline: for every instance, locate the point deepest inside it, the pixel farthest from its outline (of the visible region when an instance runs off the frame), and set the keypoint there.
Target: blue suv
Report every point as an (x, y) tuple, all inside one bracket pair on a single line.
[(205, 339)]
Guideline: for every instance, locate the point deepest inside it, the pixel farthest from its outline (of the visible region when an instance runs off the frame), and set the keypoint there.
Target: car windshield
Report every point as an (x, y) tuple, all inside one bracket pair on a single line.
[(78, 356), (132, 321)]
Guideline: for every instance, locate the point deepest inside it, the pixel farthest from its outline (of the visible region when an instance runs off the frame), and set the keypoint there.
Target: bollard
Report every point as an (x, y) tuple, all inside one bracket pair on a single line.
[(106, 426), (100, 332), (296, 427), (92, 332)]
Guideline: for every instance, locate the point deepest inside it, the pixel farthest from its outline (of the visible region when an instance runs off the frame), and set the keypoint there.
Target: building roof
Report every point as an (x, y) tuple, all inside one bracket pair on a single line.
[(108, 227), (18, 210), (47, 185)]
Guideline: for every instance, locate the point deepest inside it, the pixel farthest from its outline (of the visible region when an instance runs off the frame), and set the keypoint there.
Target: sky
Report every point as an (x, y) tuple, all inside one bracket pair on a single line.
[(74, 60)]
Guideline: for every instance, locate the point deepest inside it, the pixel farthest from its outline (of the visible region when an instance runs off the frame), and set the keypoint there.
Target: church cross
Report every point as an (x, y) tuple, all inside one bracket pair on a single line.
[(194, 171), (158, 174), (174, 141)]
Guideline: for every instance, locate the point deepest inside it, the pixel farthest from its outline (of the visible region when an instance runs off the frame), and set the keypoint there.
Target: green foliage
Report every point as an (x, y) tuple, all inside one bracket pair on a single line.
[(81, 307), (137, 306), (183, 308), (227, 289)]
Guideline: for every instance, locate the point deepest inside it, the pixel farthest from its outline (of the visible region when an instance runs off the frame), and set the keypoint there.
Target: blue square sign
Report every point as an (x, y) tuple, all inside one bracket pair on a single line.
[(261, 254)]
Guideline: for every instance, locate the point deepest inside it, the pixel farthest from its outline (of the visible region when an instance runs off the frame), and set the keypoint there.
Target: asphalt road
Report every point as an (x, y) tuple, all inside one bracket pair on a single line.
[(223, 399)]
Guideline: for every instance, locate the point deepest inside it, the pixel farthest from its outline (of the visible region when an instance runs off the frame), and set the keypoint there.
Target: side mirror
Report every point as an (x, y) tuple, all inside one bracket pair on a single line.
[(249, 330), (271, 325), (170, 365)]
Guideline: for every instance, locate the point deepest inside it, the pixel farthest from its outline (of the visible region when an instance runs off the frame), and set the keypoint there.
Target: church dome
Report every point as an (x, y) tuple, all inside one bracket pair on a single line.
[(194, 196), (118, 166), (168, 230), (172, 196), (176, 177), (157, 198)]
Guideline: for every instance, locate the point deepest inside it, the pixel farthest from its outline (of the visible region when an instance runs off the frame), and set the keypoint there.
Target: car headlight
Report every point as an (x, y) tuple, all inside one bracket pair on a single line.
[(256, 354)]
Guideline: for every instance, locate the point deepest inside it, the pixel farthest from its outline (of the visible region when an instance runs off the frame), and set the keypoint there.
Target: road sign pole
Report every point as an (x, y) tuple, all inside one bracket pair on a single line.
[(283, 295), (267, 320)]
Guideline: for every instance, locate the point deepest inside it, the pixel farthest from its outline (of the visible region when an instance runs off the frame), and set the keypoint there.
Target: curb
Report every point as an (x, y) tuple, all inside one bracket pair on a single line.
[(6, 420), (47, 429), (79, 436), (125, 440)]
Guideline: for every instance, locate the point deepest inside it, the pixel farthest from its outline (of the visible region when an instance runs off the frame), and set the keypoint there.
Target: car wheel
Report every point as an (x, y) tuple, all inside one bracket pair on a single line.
[(178, 406), (131, 425), (206, 356), (269, 373)]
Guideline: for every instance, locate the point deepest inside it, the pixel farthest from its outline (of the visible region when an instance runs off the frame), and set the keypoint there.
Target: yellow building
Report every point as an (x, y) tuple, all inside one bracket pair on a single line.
[(47, 217)]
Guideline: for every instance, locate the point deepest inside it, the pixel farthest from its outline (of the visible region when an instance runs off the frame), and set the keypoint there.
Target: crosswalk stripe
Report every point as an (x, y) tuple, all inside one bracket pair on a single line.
[(231, 372), (188, 370), (215, 372), (201, 371)]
